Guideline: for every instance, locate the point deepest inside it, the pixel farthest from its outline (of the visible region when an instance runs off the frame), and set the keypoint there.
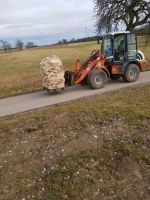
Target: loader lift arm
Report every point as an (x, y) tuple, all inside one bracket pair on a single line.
[(78, 73)]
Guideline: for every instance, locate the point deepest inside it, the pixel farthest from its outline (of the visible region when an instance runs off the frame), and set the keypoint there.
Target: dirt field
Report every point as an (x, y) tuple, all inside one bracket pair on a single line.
[(19, 71), (97, 148)]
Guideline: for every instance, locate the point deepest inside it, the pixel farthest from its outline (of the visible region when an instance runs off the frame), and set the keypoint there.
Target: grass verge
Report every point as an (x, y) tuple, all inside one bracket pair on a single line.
[(95, 148)]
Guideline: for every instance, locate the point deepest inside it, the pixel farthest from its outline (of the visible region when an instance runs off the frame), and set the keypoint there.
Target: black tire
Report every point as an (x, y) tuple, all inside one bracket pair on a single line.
[(97, 79), (132, 73), (115, 76)]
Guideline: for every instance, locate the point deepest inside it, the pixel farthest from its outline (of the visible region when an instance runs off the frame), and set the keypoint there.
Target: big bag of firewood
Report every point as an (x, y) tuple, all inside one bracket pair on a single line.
[(52, 73)]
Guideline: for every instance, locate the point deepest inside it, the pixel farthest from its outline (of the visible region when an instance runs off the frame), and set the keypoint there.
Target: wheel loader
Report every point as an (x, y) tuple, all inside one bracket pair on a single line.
[(118, 58)]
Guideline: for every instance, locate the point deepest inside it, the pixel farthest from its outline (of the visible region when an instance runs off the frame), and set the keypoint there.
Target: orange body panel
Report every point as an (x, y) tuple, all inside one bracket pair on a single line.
[(143, 65), (115, 69), (75, 66), (82, 74)]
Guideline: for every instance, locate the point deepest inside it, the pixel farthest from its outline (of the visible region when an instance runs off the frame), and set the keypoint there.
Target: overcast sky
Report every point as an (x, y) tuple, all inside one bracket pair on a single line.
[(46, 21)]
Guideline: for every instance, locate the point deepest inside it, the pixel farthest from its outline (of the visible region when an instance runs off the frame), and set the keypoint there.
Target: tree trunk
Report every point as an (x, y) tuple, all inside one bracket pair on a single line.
[(130, 27)]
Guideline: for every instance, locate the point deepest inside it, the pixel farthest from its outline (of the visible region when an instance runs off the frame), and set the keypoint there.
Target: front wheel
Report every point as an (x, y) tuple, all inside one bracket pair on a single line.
[(131, 74), (97, 79)]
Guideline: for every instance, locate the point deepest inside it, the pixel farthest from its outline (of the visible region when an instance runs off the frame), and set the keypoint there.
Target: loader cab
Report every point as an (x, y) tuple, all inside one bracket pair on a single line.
[(119, 47)]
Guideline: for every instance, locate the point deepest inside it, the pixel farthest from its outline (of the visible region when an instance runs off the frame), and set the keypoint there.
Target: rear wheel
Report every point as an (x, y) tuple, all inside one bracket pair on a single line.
[(97, 79), (131, 74)]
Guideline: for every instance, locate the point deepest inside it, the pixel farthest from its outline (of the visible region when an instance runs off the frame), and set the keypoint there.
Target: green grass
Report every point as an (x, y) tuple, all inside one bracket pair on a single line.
[(19, 71), (94, 148)]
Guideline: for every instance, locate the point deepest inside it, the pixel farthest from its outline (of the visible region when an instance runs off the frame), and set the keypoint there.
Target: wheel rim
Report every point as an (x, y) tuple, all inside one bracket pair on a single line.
[(133, 74), (98, 80)]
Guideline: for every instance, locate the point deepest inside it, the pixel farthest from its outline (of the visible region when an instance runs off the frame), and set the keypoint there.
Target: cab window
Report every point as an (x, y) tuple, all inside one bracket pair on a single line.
[(132, 48), (107, 47), (119, 48)]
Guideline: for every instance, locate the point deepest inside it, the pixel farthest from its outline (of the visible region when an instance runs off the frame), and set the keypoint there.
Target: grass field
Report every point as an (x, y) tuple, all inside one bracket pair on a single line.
[(97, 148), (19, 71)]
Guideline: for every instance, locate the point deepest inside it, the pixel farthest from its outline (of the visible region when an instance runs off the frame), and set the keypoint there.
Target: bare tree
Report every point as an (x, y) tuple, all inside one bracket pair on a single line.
[(5, 46), (111, 13), (72, 40), (64, 41), (147, 34), (59, 42), (19, 44), (30, 44)]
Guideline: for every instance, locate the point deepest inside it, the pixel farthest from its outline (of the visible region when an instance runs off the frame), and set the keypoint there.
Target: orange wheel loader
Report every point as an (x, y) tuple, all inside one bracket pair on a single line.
[(118, 58)]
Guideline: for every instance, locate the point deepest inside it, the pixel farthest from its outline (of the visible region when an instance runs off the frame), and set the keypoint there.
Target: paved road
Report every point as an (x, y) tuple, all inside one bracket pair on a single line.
[(17, 104)]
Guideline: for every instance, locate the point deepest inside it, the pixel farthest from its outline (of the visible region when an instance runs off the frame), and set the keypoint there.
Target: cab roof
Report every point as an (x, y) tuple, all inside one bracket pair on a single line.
[(118, 33)]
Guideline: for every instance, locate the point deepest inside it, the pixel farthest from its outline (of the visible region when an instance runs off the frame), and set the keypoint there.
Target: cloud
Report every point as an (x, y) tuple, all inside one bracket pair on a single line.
[(26, 19)]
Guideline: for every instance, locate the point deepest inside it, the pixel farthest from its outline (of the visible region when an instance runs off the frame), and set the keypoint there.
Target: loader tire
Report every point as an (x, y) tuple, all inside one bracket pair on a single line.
[(132, 73), (97, 79)]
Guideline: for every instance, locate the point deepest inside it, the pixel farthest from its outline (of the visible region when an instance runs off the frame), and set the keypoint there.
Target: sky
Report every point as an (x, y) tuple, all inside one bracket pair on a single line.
[(46, 21)]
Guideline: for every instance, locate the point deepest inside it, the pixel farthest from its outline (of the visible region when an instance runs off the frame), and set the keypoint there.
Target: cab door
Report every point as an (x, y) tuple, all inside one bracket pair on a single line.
[(107, 50), (131, 46), (119, 49)]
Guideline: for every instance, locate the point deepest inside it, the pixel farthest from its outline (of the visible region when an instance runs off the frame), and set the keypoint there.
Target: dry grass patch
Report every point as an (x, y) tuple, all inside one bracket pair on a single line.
[(95, 148)]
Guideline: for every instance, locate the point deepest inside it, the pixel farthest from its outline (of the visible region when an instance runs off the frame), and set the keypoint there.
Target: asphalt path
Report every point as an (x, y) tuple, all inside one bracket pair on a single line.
[(27, 102)]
